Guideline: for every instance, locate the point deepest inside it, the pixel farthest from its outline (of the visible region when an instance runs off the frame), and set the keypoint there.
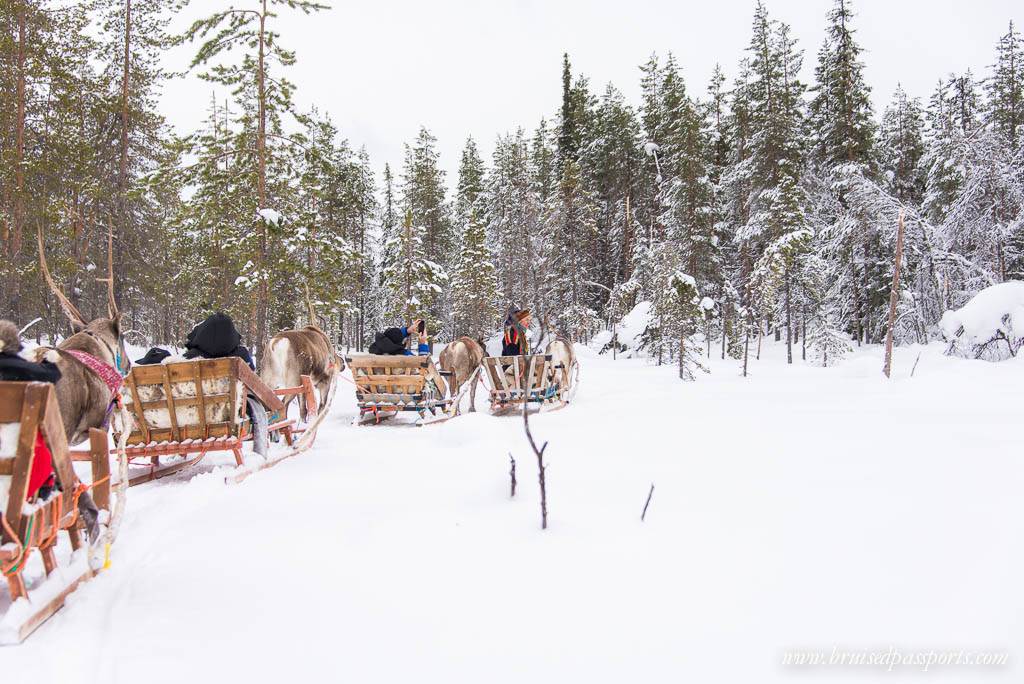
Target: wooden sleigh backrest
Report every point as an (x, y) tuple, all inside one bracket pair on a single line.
[(198, 399), (25, 409), (535, 377), (189, 400), (379, 374)]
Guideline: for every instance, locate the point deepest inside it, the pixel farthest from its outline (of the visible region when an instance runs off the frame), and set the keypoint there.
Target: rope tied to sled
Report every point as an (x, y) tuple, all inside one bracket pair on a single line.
[(24, 548)]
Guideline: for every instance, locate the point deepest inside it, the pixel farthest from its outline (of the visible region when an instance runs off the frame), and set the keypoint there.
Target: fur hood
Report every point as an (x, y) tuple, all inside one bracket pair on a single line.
[(10, 340)]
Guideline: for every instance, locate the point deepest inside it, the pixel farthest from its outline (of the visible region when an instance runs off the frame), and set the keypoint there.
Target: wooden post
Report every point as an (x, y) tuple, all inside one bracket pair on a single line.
[(893, 298)]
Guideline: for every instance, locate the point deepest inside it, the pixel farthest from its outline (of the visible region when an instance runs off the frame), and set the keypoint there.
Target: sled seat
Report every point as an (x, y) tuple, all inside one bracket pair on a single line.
[(515, 379), (189, 408), (28, 409), (398, 383)]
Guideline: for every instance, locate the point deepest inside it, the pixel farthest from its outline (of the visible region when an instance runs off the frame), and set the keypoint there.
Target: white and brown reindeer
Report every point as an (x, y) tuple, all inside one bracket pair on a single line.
[(564, 366), (290, 354), (91, 363), (87, 390), (462, 357)]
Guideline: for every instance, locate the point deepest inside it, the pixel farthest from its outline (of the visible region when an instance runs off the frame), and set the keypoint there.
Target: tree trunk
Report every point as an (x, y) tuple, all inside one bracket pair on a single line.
[(262, 303), (18, 218), (789, 321), (122, 169), (893, 298), (856, 303)]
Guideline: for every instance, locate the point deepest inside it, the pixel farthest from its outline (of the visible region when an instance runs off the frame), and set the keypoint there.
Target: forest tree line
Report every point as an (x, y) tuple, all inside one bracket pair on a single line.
[(737, 208)]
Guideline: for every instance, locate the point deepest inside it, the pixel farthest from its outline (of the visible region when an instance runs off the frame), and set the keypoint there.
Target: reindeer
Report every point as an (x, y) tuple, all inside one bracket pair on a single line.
[(293, 353), (463, 357), (562, 354), (84, 394)]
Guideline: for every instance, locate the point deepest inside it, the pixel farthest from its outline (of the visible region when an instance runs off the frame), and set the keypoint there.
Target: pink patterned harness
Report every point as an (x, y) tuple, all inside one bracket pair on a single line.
[(107, 373)]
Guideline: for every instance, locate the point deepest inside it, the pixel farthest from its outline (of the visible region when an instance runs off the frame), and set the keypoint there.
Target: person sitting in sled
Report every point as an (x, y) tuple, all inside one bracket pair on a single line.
[(515, 342), (391, 342), (216, 338), (42, 479)]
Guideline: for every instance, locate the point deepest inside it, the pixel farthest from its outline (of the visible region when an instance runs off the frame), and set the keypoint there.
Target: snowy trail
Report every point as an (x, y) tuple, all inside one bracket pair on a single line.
[(786, 515)]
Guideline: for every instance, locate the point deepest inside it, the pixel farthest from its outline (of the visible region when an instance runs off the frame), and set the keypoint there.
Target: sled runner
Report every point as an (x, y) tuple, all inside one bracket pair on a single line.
[(27, 410), (190, 408), (515, 379), (386, 385)]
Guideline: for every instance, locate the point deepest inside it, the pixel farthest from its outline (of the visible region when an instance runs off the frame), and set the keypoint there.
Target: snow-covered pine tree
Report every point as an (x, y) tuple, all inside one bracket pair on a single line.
[(777, 226), (474, 283), (416, 282), (844, 148), (902, 148), (686, 188), (1005, 117), (470, 189), (261, 150), (611, 165), (511, 211), (826, 339), (423, 198)]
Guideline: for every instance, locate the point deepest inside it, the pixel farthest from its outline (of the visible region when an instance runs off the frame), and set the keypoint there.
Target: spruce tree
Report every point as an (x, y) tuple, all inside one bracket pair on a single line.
[(1006, 89), (261, 144), (841, 112), (471, 182), (475, 283)]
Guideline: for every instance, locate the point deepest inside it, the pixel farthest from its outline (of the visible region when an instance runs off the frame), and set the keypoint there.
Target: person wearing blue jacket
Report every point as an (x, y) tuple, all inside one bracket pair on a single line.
[(391, 342)]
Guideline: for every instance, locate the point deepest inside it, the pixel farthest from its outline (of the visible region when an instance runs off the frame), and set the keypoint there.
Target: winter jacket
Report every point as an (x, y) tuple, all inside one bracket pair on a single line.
[(153, 357), (514, 343), (391, 342), (216, 338), (16, 369)]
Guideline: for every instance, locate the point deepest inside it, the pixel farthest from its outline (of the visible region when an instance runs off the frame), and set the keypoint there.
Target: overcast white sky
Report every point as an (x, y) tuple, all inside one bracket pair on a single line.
[(381, 69)]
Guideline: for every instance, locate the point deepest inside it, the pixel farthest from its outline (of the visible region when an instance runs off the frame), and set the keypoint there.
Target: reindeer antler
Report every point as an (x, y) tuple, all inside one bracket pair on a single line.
[(69, 309), (109, 280)]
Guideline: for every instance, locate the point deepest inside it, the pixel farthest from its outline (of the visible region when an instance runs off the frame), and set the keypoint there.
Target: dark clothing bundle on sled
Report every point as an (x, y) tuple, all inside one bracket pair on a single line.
[(13, 368), (391, 342), (214, 338)]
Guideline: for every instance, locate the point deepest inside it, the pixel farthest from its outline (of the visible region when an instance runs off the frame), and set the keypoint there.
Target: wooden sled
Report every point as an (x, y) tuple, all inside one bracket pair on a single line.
[(387, 385), (515, 379), (25, 410), (190, 408)]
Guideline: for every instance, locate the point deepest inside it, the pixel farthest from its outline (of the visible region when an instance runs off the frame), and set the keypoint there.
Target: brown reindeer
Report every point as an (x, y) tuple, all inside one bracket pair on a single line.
[(462, 357), (84, 396), (294, 353), (90, 362)]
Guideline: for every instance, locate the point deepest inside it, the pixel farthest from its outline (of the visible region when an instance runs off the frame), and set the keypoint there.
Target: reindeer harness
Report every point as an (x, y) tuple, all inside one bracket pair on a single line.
[(107, 373)]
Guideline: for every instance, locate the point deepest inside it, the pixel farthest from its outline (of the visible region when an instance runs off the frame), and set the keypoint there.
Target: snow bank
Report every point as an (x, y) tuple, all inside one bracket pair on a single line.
[(628, 332), (990, 326)]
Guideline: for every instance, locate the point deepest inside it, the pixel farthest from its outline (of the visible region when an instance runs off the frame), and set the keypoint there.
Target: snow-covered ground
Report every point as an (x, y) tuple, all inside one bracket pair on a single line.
[(798, 509)]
